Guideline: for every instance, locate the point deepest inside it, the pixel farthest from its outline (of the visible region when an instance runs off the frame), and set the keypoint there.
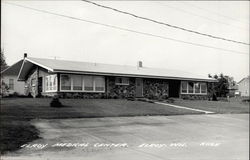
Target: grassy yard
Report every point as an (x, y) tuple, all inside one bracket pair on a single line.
[(233, 106), (16, 114)]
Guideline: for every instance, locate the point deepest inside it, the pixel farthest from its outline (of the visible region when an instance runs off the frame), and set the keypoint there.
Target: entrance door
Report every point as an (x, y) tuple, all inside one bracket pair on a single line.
[(40, 85), (139, 87), (174, 88)]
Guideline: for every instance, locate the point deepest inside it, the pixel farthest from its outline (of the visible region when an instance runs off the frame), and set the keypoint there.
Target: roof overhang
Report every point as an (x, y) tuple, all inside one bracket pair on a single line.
[(27, 65), (134, 75), (13, 69)]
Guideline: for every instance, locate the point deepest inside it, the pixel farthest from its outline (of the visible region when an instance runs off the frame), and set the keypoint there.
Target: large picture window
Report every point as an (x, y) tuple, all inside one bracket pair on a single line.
[(190, 87), (65, 82), (99, 84), (77, 82), (82, 83), (51, 83), (197, 87), (184, 87), (193, 87), (88, 83), (203, 88)]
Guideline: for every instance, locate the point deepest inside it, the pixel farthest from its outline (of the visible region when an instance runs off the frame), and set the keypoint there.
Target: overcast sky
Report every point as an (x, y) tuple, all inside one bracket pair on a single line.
[(47, 36)]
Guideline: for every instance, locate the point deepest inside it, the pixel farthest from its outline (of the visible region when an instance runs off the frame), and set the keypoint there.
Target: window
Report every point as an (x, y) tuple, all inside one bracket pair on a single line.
[(121, 81), (11, 84), (184, 87), (190, 87), (46, 83), (88, 83), (203, 88), (65, 82), (197, 87), (99, 84), (193, 87), (51, 83), (80, 83), (33, 82), (77, 82)]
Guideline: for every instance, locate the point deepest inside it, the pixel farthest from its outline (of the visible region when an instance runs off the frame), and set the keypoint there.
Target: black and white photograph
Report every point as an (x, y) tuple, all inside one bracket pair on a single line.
[(124, 80)]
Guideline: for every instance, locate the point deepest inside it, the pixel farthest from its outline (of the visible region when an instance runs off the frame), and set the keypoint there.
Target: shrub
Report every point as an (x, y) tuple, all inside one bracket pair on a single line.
[(55, 103)]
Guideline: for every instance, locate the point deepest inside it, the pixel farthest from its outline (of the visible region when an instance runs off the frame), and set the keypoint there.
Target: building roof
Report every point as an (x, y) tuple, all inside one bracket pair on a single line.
[(245, 78), (62, 66), (13, 69)]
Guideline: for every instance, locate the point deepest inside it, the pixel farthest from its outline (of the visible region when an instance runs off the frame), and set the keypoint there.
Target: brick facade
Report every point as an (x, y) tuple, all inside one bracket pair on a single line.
[(31, 83), (155, 88), (194, 96), (119, 91)]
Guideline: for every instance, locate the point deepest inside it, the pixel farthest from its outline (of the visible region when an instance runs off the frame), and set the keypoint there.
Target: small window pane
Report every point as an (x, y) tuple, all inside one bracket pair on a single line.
[(203, 88), (125, 80), (99, 84), (197, 87), (65, 82), (11, 84), (54, 83), (190, 87), (122, 81), (46, 83), (77, 82), (50, 83), (88, 83), (118, 80), (184, 87)]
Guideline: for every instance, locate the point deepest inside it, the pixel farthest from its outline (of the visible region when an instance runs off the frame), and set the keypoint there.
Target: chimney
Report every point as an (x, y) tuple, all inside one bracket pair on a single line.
[(139, 64), (24, 55)]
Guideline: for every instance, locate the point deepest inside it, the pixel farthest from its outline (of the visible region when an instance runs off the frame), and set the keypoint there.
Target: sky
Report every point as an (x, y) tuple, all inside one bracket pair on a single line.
[(44, 35)]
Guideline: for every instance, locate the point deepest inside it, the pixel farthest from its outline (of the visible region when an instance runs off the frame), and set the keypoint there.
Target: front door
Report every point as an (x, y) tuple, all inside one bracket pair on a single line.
[(139, 87), (40, 85), (174, 88)]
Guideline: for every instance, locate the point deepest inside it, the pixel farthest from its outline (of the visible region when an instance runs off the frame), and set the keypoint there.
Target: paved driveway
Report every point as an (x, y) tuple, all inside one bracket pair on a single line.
[(185, 137)]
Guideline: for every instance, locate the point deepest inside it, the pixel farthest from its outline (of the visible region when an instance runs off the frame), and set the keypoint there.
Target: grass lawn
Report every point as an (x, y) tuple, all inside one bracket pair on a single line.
[(234, 106), (16, 114)]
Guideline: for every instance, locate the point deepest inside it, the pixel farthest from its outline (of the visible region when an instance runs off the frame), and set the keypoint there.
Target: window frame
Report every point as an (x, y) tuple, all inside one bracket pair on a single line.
[(52, 88), (182, 82), (11, 84), (123, 81), (83, 84), (193, 93), (205, 89)]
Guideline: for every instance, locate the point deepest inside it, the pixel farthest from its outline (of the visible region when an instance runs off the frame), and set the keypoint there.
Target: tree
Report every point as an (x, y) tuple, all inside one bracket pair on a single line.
[(223, 84), (4, 87), (3, 62)]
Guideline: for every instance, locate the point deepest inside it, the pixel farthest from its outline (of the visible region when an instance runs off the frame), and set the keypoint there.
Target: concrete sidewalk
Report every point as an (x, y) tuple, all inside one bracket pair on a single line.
[(185, 137)]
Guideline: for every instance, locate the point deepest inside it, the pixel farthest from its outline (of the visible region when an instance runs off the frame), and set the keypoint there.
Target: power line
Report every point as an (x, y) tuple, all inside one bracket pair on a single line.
[(166, 24), (125, 29), (215, 13), (204, 17)]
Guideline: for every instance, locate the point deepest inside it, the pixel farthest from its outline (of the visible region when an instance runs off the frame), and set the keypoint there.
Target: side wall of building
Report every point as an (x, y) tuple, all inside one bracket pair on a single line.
[(152, 88), (18, 86), (244, 87)]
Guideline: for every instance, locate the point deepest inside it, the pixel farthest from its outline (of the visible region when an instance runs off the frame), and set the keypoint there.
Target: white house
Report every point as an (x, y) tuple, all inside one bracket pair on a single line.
[(244, 87), (9, 77)]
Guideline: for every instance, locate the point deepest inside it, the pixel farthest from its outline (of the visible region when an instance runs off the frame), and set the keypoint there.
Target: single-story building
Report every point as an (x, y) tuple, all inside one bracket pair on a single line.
[(9, 78), (243, 87), (50, 77)]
